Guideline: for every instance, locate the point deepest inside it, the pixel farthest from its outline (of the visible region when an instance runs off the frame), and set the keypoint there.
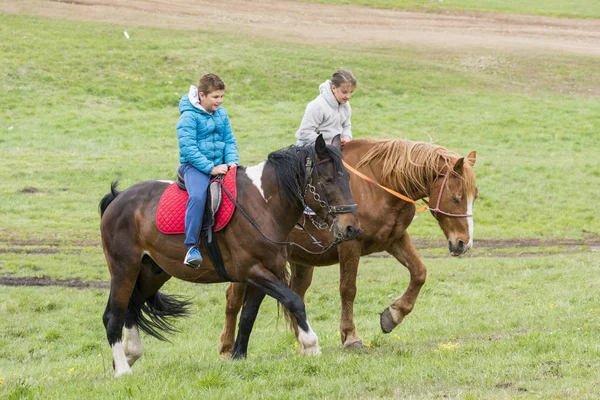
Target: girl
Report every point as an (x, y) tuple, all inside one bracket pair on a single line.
[(206, 147), (329, 114)]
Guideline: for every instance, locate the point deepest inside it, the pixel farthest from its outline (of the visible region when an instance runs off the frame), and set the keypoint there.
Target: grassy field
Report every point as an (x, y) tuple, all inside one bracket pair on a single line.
[(82, 106), (555, 8), (483, 328)]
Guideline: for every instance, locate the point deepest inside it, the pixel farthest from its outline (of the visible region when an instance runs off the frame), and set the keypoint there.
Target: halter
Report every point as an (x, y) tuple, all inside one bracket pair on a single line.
[(437, 206)]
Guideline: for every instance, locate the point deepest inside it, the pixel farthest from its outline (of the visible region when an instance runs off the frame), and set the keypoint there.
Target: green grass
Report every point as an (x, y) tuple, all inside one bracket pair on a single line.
[(89, 107), (555, 8), (482, 328), (82, 106)]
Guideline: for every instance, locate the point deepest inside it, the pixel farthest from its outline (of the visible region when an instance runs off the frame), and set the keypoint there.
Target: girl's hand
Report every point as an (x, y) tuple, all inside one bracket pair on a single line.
[(344, 141), (231, 165), (219, 170)]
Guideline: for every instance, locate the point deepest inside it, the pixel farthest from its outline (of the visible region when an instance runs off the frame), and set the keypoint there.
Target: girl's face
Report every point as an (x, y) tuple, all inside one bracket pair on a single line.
[(211, 101), (343, 93)]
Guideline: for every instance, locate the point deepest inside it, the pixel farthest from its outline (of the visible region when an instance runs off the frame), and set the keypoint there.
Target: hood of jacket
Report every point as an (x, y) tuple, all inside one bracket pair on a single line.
[(327, 94), (191, 102)]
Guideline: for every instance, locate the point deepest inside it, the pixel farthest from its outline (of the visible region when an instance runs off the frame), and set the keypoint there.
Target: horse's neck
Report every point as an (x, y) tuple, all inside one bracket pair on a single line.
[(284, 213), (414, 190)]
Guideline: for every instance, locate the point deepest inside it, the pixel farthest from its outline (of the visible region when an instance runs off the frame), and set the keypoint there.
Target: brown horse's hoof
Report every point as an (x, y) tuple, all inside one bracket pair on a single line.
[(386, 321), (354, 345)]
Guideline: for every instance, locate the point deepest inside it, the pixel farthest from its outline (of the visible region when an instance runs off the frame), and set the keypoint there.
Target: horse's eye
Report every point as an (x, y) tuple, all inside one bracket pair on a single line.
[(328, 180), (456, 199)]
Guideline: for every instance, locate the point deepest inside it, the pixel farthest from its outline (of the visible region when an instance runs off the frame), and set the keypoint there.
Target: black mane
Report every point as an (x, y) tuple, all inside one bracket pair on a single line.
[(290, 168)]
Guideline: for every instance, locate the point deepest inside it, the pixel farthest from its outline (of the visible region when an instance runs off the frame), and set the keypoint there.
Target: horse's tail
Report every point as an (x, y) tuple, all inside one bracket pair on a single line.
[(106, 200), (154, 314)]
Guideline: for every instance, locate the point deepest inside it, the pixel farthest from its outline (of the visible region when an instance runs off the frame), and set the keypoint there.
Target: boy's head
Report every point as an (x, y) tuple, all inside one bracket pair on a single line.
[(343, 84), (211, 90)]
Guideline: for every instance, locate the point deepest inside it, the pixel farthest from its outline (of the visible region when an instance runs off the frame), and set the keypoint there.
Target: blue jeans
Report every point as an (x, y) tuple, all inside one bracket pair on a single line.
[(196, 183)]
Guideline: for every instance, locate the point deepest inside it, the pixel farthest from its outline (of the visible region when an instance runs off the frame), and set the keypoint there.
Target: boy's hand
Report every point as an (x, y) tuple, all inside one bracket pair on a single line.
[(219, 170)]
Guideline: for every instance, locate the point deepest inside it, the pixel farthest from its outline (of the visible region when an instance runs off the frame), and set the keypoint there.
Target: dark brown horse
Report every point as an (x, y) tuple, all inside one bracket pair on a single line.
[(417, 170), (272, 194)]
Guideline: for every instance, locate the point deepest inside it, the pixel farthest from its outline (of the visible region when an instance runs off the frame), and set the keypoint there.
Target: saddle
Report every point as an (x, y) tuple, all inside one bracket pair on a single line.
[(217, 213)]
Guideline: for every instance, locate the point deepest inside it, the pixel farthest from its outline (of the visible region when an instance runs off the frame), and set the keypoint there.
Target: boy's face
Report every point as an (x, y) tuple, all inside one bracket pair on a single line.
[(343, 93), (211, 101)]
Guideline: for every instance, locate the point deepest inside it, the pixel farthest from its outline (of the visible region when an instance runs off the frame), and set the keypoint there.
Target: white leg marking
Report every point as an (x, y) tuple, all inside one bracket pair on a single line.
[(121, 366), (255, 174), (132, 344), (309, 342), (470, 201)]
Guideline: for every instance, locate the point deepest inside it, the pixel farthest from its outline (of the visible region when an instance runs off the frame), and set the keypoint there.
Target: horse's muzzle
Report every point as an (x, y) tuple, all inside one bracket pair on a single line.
[(457, 249)]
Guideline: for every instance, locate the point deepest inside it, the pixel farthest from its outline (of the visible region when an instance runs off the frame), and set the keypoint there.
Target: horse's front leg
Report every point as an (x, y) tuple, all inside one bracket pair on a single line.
[(235, 299), (404, 251), (266, 281), (253, 298), (349, 256)]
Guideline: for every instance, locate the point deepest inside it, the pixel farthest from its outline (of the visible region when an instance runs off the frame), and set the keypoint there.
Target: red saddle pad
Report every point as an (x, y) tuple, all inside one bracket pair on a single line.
[(170, 214)]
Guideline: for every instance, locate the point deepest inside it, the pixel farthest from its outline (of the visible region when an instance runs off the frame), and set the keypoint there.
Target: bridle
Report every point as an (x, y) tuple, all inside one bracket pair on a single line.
[(436, 210), (309, 188), (332, 210)]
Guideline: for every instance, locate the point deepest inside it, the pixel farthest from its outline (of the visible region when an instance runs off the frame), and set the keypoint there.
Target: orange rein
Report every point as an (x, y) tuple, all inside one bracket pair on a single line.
[(420, 208)]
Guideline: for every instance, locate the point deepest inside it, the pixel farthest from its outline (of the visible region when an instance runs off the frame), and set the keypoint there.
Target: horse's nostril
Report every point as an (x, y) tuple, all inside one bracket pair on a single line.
[(450, 246), (461, 246)]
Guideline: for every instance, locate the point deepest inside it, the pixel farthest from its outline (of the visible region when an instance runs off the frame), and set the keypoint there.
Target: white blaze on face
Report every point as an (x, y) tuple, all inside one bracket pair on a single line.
[(255, 174), (470, 201)]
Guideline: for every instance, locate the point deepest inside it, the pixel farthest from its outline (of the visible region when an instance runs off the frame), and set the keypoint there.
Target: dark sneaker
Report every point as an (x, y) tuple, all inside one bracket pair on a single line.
[(193, 258)]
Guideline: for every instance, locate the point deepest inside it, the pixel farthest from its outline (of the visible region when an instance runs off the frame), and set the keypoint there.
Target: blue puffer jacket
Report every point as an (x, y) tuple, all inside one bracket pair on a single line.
[(205, 140)]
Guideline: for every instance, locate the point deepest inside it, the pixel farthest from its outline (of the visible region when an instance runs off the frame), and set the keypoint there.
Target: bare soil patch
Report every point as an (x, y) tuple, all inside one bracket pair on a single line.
[(319, 23), (47, 281)]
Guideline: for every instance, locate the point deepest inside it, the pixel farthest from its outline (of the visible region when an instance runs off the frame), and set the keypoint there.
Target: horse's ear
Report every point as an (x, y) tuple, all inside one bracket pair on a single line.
[(458, 166), (471, 158), (337, 142), (321, 147)]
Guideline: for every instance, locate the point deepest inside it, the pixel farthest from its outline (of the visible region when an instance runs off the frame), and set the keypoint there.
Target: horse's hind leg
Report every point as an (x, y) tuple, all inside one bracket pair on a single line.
[(404, 251), (149, 281), (123, 279), (235, 300)]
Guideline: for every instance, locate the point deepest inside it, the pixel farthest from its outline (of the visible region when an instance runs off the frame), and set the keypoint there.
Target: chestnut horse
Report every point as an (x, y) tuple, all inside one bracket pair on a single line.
[(418, 170), (271, 198)]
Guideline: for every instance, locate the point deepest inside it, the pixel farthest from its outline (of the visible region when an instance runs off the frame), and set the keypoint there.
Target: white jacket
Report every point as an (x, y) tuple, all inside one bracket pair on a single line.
[(326, 116)]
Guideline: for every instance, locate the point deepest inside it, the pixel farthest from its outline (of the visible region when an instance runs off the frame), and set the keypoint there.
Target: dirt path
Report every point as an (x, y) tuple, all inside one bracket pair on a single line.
[(317, 23)]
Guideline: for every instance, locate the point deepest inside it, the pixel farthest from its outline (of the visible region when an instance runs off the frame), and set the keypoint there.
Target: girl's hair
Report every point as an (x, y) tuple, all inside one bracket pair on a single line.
[(209, 83), (342, 76)]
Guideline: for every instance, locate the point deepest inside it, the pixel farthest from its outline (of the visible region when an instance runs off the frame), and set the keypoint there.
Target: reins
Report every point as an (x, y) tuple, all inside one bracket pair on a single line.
[(308, 186)]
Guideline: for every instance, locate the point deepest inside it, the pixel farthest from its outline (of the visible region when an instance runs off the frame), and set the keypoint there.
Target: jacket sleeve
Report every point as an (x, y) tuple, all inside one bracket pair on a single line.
[(313, 117), (347, 126), (187, 128), (230, 152)]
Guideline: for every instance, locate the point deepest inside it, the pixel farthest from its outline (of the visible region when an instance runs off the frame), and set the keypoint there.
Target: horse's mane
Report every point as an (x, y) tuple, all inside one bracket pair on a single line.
[(290, 167), (411, 166)]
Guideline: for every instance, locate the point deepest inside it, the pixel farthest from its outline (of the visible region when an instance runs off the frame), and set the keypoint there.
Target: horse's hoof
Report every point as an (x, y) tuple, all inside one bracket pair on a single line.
[(125, 372), (226, 355), (386, 321), (311, 351), (238, 356), (354, 345)]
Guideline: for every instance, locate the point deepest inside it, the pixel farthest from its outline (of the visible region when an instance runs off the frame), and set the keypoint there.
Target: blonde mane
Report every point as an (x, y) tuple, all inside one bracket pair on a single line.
[(410, 166)]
